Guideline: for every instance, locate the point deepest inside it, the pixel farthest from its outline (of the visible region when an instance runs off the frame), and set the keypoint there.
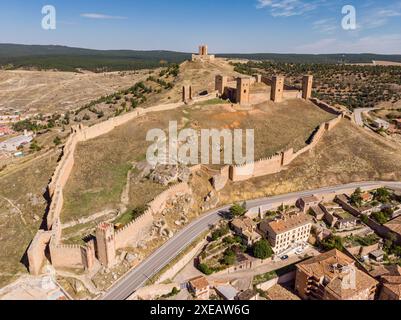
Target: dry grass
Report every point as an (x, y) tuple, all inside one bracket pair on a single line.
[(48, 91), (101, 165), (17, 223), (347, 154)]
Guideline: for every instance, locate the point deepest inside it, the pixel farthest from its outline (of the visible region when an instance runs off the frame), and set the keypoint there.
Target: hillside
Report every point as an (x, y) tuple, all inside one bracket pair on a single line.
[(15, 56)]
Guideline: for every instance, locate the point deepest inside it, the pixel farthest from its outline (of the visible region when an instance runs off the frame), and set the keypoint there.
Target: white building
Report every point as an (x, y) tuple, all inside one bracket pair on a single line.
[(11, 145), (381, 124), (287, 231)]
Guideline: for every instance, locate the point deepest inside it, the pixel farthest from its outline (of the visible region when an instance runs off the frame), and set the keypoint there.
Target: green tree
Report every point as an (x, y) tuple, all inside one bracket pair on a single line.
[(333, 242), (57, 141), (262, 250), (356, 197), (205, 269), (238, 210), (382, 195), (229, 257)]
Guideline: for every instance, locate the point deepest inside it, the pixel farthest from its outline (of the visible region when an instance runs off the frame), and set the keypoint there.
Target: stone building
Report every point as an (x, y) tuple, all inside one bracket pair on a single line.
[(333, 276), (200, 287), (246, 229), (236, 90), (203, 54), (187, 93), (307, 84), (105, 241), (289, 230), (277, 89)]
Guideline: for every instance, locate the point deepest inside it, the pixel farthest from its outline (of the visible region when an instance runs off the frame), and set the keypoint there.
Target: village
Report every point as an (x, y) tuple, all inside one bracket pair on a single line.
[(318, 248)]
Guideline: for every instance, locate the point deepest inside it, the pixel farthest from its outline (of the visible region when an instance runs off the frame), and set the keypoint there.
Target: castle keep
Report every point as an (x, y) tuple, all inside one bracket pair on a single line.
[(203, 54)]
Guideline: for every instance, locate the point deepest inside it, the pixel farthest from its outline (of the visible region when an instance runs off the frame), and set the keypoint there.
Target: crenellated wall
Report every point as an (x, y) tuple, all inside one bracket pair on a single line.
[(65, 256), (137, 230)]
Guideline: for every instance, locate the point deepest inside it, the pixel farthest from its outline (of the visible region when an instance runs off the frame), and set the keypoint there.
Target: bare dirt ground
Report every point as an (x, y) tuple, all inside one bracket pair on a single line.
[(102, 164), (51, 91), (347, 154), (22, 207), (201, 75)]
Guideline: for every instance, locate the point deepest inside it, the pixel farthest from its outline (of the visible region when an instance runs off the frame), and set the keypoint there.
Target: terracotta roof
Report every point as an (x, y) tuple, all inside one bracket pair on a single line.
[(395, 225), (330, 265), (289, 222), (244, 224), (199, 283), (279, 293), (393, 283), (310, 199)]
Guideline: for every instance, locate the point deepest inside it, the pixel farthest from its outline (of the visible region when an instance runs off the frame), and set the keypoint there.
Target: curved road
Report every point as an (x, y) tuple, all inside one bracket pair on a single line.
[(137, 277), (358, 115)]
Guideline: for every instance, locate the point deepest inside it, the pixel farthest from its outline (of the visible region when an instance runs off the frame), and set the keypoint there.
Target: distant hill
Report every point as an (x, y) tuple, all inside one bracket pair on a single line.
[(317, 58), (15, 56)]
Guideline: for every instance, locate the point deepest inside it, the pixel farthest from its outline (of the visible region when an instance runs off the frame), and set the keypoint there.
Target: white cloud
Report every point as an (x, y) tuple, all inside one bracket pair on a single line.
[(385, 44), (328, 26), (288, 8), (101, 16)]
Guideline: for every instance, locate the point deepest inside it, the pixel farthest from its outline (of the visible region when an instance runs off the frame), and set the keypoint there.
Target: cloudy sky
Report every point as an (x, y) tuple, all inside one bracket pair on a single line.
[(234, 26)]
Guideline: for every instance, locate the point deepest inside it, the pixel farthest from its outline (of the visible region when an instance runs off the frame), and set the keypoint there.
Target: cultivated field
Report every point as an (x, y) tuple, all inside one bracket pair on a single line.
[(346, 154), (50, 91)]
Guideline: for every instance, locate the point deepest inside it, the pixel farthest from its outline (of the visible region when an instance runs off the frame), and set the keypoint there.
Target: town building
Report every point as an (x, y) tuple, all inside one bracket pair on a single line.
[(333, 276), (246, 229), (306, 203), (247, 295), (287, 231), (12, 144), (200, 288), (5, 130), (227, 292), (394, 226), (381, 124)]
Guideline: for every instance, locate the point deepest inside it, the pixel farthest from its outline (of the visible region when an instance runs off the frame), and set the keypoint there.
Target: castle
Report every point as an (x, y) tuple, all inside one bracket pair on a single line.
[(203, 54), (238, 90)]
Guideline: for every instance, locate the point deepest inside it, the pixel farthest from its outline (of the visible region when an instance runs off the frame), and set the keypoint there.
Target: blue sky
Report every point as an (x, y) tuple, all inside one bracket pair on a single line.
[(283, 26)]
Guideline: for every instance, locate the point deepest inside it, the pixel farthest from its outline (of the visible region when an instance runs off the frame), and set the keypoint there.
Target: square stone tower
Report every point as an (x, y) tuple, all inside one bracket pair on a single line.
[(307, 84), (221, 83), (277, 89), (203, 50), (243, 88), (106, 247), (186, 93)]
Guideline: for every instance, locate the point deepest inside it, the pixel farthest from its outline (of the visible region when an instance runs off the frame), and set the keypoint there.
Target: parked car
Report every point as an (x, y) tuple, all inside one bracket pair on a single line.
[(285, 257)]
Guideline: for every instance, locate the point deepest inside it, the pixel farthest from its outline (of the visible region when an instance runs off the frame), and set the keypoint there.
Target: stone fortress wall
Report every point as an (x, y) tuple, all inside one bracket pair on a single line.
[(83, 256), (76, 256)]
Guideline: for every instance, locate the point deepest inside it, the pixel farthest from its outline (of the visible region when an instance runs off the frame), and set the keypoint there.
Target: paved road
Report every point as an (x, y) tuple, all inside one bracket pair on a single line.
[(172, 248), (358, 115)]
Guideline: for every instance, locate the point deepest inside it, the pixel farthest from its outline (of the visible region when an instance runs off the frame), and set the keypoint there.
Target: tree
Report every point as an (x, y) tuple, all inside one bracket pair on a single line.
[(238, 210), (356, 197), (57, 141), (333, 242), (35, 146), (382, 195), (380, 217), (262, 250), (205, 269), (229, 257)]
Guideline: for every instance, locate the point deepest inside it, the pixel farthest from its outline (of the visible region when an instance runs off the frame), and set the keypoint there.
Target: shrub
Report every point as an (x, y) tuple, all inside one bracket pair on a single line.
[(205, 269), (262, 250)]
